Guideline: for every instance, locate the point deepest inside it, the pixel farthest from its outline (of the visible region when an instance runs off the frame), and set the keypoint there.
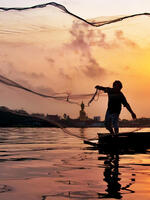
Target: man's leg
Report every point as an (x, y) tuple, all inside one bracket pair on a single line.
[(108, 123), (115, 118), (116, 130)]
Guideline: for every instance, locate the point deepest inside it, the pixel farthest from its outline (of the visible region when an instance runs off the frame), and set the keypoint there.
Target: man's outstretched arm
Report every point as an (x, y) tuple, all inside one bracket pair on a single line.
[(98, 87)]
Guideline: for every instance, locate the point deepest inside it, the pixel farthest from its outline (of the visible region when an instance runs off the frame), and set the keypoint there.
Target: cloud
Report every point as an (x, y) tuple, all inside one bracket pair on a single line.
[(81, 45), (64, 75), (121, 38), (99, 38), (9, 68), (85, 36), (50, 60), (33, 75), (26, 79), (92, 69)]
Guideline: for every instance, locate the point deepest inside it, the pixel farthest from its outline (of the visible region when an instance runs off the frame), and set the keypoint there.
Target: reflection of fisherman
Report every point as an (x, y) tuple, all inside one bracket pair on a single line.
[(111, 177), (115, 100)]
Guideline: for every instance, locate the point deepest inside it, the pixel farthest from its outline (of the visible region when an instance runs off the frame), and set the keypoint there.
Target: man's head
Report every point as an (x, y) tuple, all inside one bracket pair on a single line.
[(117, 85)]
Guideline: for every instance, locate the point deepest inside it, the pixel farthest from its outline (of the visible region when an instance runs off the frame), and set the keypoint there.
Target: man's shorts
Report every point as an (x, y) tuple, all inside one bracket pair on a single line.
[(111, 120)]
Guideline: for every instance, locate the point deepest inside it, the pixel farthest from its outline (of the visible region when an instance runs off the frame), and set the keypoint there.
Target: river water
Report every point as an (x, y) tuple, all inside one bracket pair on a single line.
[(46, 163)]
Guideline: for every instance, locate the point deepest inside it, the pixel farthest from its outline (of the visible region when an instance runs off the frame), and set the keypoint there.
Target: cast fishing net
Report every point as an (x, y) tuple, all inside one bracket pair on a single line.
[(51, 58)]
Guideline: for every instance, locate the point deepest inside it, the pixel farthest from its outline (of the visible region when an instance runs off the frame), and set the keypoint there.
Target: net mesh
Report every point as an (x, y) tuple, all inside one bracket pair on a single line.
[(51, 52)]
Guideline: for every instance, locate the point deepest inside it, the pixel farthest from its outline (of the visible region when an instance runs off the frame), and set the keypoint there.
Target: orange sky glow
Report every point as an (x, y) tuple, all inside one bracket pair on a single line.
[(49, 51)]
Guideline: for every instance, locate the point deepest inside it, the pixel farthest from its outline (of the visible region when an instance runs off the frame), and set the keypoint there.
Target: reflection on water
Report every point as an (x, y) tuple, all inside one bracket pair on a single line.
[(45, 163), (111, 177), (82, 132)]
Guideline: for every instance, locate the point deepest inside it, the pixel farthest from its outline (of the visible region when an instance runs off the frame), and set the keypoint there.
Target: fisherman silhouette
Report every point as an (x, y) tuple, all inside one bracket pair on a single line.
[(115, 100)]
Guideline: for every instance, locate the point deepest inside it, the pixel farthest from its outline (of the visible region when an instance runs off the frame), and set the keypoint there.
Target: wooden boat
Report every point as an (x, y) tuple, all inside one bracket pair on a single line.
[(131, 142)]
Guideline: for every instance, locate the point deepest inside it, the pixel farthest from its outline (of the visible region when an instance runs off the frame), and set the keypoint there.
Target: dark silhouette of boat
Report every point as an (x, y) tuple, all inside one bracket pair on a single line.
[(123, 143)]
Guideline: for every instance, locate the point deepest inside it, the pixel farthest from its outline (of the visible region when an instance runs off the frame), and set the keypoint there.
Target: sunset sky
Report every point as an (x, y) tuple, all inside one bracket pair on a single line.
[(49, 51)]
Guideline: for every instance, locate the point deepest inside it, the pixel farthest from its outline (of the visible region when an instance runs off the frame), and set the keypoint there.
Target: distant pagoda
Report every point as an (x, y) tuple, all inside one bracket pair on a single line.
[(82, 114)]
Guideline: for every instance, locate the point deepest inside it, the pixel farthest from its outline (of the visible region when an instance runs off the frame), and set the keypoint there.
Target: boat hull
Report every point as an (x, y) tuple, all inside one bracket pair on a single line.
[(133, 142)]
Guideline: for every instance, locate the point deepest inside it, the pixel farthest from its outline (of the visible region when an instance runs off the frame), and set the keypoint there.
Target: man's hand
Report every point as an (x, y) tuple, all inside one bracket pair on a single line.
[(133, 115), (97, 87)]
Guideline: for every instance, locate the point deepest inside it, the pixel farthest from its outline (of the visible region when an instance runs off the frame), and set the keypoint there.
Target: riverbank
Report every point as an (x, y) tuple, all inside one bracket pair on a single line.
[(10, 118)]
